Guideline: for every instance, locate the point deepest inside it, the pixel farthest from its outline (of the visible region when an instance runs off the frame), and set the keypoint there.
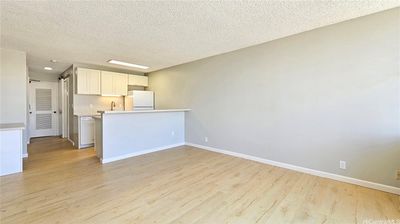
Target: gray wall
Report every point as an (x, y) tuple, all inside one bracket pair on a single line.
[(310, 99), (13, 88)]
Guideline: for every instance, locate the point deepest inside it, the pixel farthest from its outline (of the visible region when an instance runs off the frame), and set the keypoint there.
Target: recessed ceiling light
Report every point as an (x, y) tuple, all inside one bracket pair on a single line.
[(53, 60), (48, 68), (127, 64)]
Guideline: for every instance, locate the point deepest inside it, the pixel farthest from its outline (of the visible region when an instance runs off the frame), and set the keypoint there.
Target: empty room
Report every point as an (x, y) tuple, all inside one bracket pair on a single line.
[(203, 112)]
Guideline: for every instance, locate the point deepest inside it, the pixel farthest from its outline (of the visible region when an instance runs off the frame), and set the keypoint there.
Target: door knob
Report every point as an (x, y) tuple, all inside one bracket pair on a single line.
[(55, 112)]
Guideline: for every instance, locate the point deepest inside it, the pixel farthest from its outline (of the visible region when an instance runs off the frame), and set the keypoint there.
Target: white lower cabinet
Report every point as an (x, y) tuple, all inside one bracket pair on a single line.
[(11, 145), (86, 132)]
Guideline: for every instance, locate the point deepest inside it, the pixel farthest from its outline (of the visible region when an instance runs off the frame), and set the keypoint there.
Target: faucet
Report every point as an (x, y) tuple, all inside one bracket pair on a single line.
[(112, 105)]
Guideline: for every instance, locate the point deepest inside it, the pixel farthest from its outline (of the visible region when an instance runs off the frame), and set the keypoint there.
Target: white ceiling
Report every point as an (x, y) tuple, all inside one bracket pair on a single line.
[(160, 34)]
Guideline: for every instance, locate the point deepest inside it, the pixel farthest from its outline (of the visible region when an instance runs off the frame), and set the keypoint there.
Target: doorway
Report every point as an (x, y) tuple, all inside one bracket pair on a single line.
[(43, 106)]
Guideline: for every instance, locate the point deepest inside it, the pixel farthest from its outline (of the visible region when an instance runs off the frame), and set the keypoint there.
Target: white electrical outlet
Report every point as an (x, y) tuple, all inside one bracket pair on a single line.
[(206, 139), (342, 164), (173, 133)]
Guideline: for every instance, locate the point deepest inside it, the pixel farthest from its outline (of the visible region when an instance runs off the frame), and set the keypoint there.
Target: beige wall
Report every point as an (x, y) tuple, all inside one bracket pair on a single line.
[(310, 100), (13, 88), (13, 81)]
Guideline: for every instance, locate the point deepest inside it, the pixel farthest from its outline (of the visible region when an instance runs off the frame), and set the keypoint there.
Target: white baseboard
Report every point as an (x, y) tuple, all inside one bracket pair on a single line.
[(72, 142), (112, 159), (25, 155), (364, 183)]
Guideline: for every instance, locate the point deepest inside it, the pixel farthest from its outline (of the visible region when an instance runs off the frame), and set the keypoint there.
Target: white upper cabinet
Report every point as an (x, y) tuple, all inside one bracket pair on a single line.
[(121, 84), (138, 80), (107, 87), (114, 84), (95, 82), (88, 81)]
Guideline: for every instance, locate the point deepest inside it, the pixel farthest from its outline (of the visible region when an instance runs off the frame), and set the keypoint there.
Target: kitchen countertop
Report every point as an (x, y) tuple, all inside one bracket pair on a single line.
[(11, 126), (143, 111), (86, 115)]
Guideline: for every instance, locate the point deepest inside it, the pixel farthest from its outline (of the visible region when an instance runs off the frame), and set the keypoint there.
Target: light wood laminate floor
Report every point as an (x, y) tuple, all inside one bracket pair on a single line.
[(181, 185)]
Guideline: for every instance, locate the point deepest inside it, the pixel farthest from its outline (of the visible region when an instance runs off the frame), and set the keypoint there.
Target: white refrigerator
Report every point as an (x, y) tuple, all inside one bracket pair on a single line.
[(139, 100)]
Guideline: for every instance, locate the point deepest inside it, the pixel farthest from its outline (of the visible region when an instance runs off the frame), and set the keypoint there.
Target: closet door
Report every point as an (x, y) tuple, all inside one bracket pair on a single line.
[(43, 106)]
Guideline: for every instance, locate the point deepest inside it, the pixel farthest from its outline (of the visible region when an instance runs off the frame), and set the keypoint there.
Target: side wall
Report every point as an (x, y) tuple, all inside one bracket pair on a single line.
[(13, 91), (309, 100)]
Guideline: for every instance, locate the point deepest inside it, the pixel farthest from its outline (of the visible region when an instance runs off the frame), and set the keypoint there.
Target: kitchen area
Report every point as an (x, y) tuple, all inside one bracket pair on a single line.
[(115, 113)]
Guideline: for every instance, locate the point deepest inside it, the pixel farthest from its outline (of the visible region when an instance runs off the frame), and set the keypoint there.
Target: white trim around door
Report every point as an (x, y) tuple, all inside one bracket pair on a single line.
[(43, 109)]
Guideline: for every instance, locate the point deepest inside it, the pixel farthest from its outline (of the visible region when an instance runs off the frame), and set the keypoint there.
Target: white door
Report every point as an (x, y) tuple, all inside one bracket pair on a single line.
[(43, 106)]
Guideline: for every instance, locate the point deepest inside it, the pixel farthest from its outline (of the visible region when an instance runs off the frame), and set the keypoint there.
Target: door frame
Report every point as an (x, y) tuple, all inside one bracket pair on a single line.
[(54, 107), (65, 107)]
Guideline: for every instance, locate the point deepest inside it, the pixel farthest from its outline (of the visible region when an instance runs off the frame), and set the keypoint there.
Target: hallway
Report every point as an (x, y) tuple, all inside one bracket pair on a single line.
[(53, 152)]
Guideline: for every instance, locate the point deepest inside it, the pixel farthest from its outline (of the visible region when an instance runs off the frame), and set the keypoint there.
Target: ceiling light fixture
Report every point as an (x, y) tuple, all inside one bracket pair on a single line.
[(112, 61), (53, 60), (48, 68)]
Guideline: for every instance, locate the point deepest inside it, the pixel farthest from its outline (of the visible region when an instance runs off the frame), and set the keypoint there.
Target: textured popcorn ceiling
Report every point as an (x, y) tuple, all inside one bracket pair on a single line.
[(163, 33)]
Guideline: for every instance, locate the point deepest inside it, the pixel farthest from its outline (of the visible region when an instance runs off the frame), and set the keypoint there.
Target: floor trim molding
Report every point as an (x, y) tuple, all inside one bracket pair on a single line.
[(25, 155), (72, 142), (116, 158), (337, 177)]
